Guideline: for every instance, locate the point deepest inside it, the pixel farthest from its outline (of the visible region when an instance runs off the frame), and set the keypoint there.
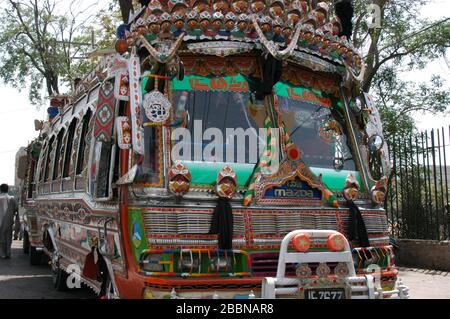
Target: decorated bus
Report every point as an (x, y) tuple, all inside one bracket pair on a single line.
[(224, 149)]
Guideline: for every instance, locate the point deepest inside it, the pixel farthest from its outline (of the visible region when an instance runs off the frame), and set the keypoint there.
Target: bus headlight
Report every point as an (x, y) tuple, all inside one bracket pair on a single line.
[(152, 262), (195, 262), (220, 264), (187, 263)]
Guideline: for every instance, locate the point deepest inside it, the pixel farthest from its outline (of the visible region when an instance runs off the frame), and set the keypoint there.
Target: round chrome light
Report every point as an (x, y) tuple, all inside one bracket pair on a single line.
[(350, 193), (357, 105), (187, 264), (338, 163), (376, 142), (378, 196), (220, 264)]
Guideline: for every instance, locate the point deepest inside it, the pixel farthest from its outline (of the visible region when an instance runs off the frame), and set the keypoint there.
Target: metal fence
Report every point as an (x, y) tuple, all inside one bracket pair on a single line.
[(418, 203)]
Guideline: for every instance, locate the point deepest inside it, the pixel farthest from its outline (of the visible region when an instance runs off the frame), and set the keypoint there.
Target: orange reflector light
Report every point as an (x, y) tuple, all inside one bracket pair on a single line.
[(336, 242), (121, 46), (301, 242)]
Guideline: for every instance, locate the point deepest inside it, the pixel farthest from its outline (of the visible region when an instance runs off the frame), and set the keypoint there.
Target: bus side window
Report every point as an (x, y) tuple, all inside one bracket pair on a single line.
[(31, 175), (41, 162), (57, 158), (48, 160), (69, 147), (102, 170), (82, 145)]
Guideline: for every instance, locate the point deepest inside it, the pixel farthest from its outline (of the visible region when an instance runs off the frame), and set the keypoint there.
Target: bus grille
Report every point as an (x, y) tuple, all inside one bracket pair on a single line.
[(177, 227)]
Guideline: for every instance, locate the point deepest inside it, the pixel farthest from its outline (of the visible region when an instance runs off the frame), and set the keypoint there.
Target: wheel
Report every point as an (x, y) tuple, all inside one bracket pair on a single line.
[(59, 277), (26, 244), (35, 256)]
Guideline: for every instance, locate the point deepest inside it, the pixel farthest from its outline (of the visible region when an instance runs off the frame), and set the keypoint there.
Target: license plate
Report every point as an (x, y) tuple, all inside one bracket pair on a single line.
[(325, 294)]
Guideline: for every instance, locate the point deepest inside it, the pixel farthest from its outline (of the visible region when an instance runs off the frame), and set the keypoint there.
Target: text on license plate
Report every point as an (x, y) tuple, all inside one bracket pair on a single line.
[(325, 294)]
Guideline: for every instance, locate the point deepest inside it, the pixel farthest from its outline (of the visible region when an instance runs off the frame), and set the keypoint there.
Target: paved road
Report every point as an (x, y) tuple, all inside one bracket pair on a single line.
[(20, 280), (426, 284)]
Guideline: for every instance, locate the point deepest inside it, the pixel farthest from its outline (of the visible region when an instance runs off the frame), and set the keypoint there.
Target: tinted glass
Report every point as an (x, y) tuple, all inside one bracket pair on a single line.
[(234, 122), (307, 120)]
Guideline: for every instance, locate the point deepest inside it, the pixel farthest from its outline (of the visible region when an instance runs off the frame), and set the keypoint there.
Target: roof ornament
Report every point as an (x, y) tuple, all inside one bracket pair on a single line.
[(164, 56), (271, 46), (357, 77)]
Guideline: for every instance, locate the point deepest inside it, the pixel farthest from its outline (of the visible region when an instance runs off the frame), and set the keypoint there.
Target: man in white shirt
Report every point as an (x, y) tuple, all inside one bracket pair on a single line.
[(8, 208)]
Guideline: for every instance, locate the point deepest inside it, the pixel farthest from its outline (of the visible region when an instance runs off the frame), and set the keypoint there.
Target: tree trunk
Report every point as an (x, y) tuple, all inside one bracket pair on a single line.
[(51, 80), (373, 54), (125, 7)]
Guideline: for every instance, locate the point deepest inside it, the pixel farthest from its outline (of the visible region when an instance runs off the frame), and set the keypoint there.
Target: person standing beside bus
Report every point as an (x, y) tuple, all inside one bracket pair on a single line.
[(8, 208)]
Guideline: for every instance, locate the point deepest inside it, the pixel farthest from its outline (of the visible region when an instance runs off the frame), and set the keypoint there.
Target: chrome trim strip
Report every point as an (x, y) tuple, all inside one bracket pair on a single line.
[(366, 179)]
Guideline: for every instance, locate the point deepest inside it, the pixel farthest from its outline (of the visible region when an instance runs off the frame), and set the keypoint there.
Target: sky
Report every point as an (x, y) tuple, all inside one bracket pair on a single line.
[(17, 115), (438, 10)]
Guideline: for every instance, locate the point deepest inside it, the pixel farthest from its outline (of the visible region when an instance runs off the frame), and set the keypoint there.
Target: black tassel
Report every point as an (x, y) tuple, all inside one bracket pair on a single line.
[(272, 70), (345, 11), (222, 223), (357, 227)]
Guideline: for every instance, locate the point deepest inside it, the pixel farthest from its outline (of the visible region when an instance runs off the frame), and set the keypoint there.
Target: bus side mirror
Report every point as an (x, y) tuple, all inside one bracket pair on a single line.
[(22, 167)]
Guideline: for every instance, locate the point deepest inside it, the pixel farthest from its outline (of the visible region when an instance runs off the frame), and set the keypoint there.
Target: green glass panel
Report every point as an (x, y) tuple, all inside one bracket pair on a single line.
[(205, 173), (285, 89), (235, 83), (335, 180)]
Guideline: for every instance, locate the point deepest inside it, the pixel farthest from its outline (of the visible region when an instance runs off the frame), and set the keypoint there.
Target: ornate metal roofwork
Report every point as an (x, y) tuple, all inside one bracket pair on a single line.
[(286, 29)]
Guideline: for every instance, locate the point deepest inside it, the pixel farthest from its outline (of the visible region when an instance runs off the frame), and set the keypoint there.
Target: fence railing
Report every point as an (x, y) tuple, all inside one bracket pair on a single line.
[(418, 203)]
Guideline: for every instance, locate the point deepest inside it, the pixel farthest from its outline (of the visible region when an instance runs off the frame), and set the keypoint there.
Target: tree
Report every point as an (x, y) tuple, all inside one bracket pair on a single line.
[(126, 6), (404, 42), (39, 45)]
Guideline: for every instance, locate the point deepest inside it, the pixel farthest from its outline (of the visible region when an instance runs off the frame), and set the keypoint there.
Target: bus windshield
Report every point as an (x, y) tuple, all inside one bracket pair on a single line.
[(215, 123), (311, 126), (217, 116)]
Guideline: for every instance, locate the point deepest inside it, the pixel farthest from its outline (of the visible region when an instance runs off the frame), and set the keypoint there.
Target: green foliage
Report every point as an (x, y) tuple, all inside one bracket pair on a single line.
[(405, 43), (399, 100), (43, 48), (108, 21)]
